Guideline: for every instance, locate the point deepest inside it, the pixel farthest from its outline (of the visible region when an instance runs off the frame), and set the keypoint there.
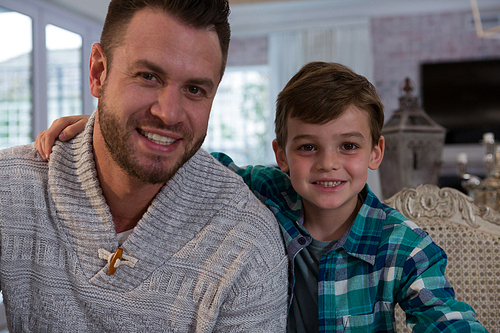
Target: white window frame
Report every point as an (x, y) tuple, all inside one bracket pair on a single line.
[(42, 14)]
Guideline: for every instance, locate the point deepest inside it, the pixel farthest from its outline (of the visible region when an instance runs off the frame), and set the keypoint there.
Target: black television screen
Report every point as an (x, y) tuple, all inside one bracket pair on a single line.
[(463, 97)]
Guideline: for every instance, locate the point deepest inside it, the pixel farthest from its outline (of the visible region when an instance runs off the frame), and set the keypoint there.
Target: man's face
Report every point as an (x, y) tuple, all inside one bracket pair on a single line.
[(155, 100)]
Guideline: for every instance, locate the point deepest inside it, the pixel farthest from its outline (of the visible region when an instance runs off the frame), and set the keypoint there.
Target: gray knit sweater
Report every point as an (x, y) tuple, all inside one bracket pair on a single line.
[(209, 255)]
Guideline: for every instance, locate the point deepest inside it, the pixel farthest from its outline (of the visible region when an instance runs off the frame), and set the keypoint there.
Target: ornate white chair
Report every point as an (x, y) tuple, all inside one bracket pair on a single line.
[(470, 235)]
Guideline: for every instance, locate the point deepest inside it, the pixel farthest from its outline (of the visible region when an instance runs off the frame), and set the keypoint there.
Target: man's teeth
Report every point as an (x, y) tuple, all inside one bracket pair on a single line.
[(159, 139), (328, 184)]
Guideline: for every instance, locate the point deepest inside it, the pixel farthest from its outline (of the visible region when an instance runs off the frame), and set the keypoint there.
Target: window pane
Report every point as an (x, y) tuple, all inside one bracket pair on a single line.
[(240, 116), (64, 73), (16, 42)]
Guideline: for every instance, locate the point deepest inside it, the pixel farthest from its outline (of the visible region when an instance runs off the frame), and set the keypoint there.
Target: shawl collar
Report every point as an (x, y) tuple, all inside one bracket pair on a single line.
[(182, 208)]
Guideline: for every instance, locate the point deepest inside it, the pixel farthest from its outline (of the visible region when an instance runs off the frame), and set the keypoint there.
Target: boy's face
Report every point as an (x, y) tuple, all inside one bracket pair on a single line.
[(328, 163)]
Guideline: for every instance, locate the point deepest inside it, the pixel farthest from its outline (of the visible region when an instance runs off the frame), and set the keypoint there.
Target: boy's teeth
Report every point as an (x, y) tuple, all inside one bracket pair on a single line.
[(156, 138), (328, 184)]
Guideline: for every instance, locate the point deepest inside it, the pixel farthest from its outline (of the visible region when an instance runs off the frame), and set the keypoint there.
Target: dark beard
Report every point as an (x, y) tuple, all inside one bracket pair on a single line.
[(116, 139)]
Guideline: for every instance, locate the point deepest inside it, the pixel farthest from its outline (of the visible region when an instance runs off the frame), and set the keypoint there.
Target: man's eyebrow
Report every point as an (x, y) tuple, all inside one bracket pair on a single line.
[(208, 83), (149, 65)]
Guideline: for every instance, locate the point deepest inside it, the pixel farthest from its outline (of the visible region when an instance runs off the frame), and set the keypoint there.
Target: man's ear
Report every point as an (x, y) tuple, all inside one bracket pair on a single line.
[(98, 69), (280, 157), (377, 154)]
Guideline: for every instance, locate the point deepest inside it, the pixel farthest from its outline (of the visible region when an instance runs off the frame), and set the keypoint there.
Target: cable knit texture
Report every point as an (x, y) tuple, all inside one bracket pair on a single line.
[(209, 254)]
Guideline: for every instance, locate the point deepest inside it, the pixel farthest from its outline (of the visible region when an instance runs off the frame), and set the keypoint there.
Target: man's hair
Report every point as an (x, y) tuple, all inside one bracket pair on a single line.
[(321, 92), (205, 14)]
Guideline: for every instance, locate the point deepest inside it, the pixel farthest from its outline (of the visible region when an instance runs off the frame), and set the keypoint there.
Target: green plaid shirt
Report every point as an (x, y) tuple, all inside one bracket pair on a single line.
[(383, 259)]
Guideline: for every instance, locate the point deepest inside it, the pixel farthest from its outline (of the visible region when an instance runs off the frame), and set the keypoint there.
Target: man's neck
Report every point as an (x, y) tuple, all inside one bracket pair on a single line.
[(127, 203), (127, 197)]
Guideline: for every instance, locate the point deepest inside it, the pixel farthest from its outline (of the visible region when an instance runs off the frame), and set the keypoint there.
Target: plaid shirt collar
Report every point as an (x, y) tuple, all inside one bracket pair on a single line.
[(360, 240), (274, 188)]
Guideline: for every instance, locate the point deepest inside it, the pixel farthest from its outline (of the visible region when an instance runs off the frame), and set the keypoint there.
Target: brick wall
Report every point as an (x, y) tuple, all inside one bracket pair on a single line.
[(246, 51), (401, 43)]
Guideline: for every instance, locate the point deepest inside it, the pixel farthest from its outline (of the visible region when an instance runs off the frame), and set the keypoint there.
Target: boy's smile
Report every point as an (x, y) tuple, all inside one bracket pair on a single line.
[(328, 163)]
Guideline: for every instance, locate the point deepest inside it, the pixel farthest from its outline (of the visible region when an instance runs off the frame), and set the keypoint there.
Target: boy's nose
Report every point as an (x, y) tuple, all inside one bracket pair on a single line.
[(169, 106), (328, 161)]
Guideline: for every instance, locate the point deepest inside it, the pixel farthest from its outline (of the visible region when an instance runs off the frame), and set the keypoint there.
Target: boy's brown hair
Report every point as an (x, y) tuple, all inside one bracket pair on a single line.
[(323, 91)]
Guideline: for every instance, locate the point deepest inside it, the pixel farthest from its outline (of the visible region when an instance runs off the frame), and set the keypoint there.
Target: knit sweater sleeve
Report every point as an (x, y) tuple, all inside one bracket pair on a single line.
[(257, 300), (234, 259), (254, 298)]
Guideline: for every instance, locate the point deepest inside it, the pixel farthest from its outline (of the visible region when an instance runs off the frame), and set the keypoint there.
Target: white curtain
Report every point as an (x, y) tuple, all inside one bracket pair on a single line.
[(348, 43)]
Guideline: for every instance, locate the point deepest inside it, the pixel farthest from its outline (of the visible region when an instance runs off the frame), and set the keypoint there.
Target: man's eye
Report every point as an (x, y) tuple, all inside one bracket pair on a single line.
[(194, 90), (148, 76)]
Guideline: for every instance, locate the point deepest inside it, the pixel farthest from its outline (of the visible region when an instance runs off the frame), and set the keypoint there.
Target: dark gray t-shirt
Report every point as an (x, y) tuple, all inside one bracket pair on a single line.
[(303, 316)]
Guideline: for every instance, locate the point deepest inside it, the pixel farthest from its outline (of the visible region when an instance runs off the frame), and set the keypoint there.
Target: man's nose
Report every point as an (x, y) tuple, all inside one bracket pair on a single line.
[(169, 107)]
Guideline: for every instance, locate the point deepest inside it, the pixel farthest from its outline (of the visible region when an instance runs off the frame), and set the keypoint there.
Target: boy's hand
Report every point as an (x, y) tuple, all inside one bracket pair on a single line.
[(63, 128)]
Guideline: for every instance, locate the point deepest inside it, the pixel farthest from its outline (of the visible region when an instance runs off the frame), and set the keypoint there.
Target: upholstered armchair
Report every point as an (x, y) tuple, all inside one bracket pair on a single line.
[(470, 235)]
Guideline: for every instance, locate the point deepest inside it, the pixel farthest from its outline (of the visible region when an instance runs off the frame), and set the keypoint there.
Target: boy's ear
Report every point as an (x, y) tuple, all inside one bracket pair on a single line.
[(377, 154), (280, 157), (98, 69)]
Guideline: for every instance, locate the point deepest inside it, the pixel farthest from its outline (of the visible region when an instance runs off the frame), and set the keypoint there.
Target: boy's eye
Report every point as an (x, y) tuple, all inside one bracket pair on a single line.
[(307, 148), (349, 146)]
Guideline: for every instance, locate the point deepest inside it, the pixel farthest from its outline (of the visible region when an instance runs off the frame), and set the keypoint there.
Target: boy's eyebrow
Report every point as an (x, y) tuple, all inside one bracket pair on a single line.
[(303, 136), (353, 134)]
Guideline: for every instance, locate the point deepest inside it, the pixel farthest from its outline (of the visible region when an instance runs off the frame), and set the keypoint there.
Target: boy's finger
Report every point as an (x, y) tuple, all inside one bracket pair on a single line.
[(63, 128), (48, 143), (38, 147), (41, 146), (72, 130), (60, 124)]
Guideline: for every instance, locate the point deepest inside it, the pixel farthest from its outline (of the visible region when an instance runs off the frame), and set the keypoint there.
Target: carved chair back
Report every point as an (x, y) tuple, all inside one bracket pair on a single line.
[(470, 235)]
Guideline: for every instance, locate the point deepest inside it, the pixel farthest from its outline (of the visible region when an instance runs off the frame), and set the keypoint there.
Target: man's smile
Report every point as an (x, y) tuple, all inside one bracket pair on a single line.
[(156, 138)]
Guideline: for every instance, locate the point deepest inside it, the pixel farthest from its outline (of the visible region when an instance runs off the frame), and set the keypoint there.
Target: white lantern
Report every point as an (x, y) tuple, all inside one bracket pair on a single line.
[(413, 147)]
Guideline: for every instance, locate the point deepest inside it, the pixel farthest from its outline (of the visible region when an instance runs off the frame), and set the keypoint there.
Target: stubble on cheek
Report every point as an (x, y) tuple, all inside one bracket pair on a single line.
[(151, 169)]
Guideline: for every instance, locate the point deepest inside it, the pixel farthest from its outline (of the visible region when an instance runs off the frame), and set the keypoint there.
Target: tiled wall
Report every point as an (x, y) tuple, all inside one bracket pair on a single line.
[(400, 44)]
